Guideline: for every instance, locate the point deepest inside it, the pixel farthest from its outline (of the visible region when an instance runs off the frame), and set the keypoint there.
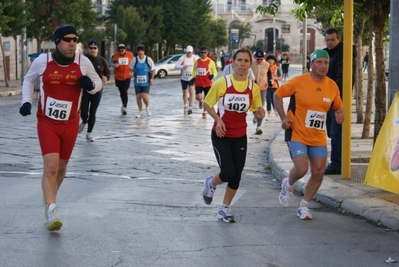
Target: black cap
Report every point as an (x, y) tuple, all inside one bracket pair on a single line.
[(63, 30), (92, 42), (259, 53)]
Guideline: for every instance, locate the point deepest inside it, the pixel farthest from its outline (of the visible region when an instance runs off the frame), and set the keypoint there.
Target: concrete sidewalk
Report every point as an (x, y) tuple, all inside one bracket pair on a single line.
[(350, 195)]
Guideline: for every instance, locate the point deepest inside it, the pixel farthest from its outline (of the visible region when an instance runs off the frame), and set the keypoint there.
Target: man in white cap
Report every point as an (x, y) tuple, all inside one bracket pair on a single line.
[(312, 94), (186, 65)]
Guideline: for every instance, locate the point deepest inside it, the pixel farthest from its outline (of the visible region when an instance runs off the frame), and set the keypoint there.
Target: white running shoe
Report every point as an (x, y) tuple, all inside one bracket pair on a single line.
[(89, 137), (226, 215), (208, 190), (82, 126), (303, 213), (124, 110), (53, 222), (148, 112), (140, 115), (285, 194)]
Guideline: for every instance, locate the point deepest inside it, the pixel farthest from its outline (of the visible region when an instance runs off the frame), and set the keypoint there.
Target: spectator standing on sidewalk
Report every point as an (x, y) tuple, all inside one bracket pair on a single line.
[(235, 95), (143, 70), (186, 65), (335, 49), (203, 73), (366, 62), (305, 127), (260, 68), (91, 102), (120, 61), (222, 61), (63, 75)]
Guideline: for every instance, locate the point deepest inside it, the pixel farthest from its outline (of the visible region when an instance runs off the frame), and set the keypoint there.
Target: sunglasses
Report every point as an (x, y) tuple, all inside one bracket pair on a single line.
[(92, 48), (69, 39), (203, 52)]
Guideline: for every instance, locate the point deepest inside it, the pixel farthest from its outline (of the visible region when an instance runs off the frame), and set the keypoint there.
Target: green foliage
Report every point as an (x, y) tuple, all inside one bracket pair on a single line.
[(174, 22), (44, 16), (271, 9), (12, 19)]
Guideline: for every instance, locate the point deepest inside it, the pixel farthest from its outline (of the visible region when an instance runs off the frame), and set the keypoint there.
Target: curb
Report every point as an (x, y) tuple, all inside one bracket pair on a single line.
[(337, 195), (10, 93)]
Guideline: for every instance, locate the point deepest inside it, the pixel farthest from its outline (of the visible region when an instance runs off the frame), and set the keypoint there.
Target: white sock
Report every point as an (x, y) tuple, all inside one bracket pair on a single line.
[(51, 207), (210, 183), (303, 203)]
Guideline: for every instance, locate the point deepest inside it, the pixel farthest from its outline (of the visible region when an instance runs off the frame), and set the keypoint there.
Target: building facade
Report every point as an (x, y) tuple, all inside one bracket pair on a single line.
[(272, 30)]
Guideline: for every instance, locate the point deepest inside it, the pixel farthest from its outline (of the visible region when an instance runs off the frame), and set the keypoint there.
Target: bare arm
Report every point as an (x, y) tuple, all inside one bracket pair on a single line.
[(220, 126), (278, 104)]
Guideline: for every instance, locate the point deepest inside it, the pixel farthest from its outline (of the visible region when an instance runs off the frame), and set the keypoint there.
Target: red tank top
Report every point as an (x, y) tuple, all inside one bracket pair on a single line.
[(233, 108), (61, 93), (203, 72)]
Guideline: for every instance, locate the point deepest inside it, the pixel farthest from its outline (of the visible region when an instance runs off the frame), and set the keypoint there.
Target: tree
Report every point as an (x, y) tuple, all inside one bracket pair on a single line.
[(131, 26), (187, 20), (11, 23), (44, 16), (378, 15)]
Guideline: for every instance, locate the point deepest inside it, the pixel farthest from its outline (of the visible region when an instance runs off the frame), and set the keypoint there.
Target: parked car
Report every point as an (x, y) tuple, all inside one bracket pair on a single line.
[(166, 66)]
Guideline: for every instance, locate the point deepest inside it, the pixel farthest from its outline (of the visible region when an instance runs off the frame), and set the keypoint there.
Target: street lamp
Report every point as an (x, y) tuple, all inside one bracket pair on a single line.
[(274, 34)]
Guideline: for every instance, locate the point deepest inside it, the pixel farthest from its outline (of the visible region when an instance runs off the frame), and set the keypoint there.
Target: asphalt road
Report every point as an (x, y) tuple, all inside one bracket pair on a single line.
[(132, 198)]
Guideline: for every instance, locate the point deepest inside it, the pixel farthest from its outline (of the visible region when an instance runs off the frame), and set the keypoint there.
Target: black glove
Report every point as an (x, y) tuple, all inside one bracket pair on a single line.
[(211, 77), (25, 109), (192, 80), (86, 83)]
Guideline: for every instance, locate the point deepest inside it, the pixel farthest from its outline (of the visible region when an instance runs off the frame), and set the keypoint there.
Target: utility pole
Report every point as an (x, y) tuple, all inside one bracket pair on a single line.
[(23, 52), (274, 34), (304, 43), (393, 56)]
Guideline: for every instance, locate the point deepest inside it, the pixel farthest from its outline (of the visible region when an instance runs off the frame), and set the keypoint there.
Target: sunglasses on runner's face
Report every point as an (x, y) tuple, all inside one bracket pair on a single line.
[(92, 48), (203, 52), (69, 39)]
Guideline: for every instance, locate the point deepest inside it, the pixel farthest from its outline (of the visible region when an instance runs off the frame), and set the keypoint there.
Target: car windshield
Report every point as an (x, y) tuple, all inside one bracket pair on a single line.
[(164, 59)]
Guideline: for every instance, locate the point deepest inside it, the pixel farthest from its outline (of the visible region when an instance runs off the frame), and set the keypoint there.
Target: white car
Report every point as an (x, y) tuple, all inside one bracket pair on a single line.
[(166, 66)]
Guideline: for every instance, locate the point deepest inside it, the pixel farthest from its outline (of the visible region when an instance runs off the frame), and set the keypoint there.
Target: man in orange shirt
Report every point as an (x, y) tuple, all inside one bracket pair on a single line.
[(311, 94), (121, 62)]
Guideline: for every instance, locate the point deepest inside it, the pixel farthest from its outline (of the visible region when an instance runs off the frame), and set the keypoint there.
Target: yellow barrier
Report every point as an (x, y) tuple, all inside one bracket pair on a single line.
[(383, 170)]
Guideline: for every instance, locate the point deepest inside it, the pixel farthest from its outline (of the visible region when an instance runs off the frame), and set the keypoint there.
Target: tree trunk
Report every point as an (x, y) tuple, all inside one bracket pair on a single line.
[(379, 20), (359, 73), (370, 87), (39, 44), (7, 82)]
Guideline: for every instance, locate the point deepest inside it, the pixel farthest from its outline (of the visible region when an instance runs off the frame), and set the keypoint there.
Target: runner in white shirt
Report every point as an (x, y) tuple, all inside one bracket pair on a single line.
[(186, 65)]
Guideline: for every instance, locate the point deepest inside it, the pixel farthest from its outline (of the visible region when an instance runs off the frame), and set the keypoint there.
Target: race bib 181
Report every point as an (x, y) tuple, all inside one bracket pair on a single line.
[(316, 120)]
